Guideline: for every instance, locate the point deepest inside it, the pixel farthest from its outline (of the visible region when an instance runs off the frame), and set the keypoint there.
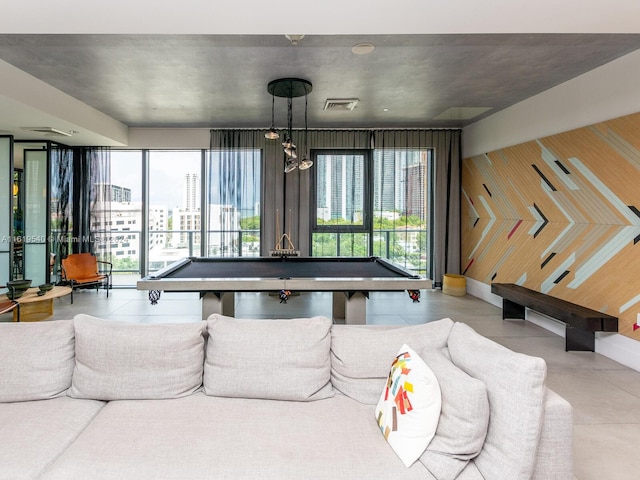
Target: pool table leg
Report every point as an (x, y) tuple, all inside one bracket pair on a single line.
[(218, 302), (352, 306)]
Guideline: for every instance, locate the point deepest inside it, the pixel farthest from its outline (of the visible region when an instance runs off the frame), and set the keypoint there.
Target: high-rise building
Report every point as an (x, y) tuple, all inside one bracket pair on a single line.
[(415, 178), (191, 193), (224, 224), (340, 188), (387, 181), (108, 192), (120, 232), (186, 220)]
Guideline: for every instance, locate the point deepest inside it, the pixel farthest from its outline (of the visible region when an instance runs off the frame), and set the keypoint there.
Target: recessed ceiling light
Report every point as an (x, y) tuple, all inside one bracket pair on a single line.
[(363, 48)]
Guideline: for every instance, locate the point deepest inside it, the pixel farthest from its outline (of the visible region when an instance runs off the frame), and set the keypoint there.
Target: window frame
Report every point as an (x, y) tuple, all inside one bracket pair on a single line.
[(367, 197)]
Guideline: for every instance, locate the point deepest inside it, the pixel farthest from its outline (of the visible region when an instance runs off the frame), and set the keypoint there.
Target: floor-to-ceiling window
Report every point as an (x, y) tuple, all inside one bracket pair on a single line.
[(401, 207), (364, 202), (144, 236), (174, 208), (233, 202), (124, 225)]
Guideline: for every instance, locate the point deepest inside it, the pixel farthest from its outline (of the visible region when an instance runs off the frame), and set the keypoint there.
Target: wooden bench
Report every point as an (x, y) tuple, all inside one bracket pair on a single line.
[(581, 322)]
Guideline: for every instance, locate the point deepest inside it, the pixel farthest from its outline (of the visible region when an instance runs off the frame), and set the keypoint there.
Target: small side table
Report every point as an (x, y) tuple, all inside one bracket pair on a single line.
[(34, 307)]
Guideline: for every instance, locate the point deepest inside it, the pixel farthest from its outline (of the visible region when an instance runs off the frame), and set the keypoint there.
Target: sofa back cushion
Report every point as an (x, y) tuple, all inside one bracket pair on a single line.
[(124, 361), (270, 359), (515, 386), (464, 418), (37, 360), (360, 354)]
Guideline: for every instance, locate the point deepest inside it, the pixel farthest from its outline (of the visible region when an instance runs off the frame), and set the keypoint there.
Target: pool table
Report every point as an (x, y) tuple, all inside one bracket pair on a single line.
[(350, 279)]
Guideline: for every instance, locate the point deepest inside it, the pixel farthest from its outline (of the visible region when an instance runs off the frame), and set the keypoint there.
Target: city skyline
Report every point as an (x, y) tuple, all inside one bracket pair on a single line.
[(240, 174)]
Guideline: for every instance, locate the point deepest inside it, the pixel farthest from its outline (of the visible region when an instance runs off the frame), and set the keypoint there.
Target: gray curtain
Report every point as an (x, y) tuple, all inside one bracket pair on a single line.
[(61, 206), (237, 160), (447, 163), (284, 197), (287, 197), (446, 202), (92, 201)]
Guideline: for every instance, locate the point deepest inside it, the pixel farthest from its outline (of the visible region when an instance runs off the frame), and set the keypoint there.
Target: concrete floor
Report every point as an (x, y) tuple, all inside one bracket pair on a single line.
[(604, 394)]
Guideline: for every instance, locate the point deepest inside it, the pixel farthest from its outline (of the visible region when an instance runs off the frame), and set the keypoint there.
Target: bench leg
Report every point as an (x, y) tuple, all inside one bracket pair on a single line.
[(580, 340), (511, 309)]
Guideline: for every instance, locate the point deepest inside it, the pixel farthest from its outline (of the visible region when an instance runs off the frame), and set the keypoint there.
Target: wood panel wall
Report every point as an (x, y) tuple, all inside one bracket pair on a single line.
[(560, 215)]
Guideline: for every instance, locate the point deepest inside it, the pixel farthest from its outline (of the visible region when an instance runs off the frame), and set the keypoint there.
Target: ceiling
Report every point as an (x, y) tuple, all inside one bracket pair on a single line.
[(208, 81)]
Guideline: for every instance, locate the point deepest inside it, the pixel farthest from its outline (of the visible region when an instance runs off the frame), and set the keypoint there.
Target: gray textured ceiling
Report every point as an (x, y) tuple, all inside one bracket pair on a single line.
[(221, 80)]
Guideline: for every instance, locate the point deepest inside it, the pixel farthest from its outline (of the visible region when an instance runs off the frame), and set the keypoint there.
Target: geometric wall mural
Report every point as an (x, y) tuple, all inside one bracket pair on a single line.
[(560, 215)]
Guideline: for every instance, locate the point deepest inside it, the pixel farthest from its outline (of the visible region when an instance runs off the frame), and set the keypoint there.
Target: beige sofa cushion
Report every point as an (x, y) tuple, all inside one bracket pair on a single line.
[(270, 359), (464, 419), (35, 433), (124, 361), (37, 360), (360, 354), (202, 437), (516, 388)]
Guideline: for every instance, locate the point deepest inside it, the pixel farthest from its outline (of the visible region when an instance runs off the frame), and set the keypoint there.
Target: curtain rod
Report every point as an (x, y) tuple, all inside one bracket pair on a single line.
[(344, 129)]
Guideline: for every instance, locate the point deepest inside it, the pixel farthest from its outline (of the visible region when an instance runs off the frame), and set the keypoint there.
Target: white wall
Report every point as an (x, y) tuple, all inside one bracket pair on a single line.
[(169, 138), (602, 94)]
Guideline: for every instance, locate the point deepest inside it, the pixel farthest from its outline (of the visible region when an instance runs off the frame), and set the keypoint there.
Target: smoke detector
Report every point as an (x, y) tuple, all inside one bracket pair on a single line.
[(48, 131), (363, 48), (340, 103)]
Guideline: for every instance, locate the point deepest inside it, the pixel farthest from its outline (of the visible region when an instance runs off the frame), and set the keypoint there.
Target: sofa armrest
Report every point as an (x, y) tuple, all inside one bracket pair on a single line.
[(554, 458)]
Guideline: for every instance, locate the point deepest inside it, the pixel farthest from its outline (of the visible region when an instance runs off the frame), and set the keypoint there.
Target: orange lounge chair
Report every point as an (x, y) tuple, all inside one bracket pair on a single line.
[(82, 270)]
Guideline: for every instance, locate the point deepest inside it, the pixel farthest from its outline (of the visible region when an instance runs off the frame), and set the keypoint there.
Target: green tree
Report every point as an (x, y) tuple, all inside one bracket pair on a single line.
[(250, 223), (125, 263)]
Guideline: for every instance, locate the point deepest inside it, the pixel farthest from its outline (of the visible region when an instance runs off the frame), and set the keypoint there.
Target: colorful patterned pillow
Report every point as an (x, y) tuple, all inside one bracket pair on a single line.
[(409, 407)]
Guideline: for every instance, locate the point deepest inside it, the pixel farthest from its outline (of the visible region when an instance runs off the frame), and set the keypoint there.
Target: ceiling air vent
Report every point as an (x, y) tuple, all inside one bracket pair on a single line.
[(48, 131), (340, 103)]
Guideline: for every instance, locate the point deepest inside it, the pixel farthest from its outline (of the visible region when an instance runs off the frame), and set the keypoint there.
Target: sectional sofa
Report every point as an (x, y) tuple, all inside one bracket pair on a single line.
[(274, 399)]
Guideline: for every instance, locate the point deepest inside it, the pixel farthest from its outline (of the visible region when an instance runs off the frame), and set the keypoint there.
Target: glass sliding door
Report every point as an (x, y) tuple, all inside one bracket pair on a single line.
[(36, 216), (6, 206)]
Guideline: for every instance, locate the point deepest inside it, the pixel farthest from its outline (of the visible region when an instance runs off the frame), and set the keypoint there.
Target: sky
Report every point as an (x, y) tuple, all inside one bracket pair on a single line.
[(166, 176), (168, 170)]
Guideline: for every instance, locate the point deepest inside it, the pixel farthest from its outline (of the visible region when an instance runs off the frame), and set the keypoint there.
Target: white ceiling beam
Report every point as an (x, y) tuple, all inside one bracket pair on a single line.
[(326, 17)]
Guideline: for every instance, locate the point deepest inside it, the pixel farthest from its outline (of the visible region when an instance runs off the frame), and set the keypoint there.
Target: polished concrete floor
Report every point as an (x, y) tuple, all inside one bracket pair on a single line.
[(605, 395)]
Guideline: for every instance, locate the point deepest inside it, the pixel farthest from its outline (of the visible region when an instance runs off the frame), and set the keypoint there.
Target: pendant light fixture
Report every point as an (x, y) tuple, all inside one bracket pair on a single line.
[(305, 162), (272, 134), (290, 88)]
